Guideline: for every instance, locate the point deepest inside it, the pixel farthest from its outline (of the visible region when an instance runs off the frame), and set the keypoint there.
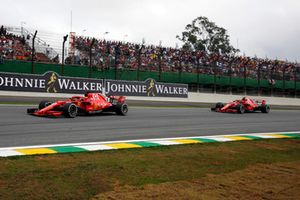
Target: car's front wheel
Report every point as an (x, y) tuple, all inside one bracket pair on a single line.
[(44, 104), (218, 105), (240, 108), (70, 110)]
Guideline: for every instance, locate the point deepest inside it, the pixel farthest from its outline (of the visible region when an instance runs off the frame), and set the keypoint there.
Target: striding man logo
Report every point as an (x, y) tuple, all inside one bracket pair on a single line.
[(151, 89), (51, 83)]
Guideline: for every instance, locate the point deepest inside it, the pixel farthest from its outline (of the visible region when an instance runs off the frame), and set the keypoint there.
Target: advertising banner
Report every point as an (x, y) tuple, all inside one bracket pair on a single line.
[(49, 82), (149, 88)]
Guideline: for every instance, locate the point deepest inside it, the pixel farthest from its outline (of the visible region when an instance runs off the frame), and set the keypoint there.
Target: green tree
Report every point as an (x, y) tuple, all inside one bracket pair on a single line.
[(205, 35)]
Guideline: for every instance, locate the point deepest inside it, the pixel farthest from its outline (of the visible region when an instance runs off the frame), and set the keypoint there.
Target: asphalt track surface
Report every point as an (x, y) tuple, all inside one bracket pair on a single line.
[(19, 129)]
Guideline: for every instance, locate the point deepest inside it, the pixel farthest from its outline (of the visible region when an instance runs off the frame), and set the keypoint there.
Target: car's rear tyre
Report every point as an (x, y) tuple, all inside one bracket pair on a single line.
[(121, 109), (70, 110), (265, 108), (240, 109), (44, 104)]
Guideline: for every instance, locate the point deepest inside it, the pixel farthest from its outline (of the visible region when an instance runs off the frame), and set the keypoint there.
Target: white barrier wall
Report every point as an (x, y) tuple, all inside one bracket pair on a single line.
[(192, 97)]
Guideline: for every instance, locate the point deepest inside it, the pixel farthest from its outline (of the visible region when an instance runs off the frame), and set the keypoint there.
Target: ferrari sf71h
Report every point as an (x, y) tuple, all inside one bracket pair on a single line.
[(90, 103), (244, 105)]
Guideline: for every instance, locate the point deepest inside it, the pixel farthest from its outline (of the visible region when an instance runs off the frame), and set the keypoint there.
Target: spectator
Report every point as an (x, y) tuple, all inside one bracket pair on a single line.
[(1, 59), (271, 82)]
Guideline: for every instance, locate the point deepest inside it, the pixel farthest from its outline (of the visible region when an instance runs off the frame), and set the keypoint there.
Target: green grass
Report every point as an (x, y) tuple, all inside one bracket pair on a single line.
[(83, 175)]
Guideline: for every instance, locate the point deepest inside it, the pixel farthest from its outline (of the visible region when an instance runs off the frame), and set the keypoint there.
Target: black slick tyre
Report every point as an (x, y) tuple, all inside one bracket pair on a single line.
[(44, 104), (70, 110), (121, 109), (240, 109), (217, 106), (265, 109)]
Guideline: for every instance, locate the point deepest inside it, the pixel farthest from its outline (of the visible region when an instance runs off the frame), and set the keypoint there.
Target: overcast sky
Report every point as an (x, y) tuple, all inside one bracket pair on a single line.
[(257, 27)]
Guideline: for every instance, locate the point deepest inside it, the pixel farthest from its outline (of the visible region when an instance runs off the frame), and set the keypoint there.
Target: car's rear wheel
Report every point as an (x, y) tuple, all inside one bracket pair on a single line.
[(121, 109), (265, 108), (240, 108), (70, 110), (43, 104)]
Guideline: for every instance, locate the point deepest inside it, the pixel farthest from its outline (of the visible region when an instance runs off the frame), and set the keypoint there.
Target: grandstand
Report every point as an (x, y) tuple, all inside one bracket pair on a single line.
[(202, 71), (16, 43)]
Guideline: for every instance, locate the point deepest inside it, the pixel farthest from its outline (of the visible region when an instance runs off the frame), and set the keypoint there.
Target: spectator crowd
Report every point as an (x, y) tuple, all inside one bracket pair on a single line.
[(105, 54), (13, 46), (17, 47)]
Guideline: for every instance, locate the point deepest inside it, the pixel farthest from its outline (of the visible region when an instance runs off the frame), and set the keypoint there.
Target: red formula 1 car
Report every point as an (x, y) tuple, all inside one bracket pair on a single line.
[(244, 105), (90, 103)]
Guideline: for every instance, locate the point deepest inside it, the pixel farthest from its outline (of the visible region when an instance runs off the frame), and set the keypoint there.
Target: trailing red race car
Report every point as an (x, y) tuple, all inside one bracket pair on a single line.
[(90, 103), (244, 105)]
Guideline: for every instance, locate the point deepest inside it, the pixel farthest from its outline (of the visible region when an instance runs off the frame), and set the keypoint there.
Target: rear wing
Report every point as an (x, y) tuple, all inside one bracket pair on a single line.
[(118, 99), (259, 101)]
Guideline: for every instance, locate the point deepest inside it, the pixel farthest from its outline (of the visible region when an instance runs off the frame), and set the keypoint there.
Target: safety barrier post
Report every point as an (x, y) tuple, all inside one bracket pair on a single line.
[(33, 53), (159, 63), (258, 80), (272, 83), (215, 76), (295, 80), (117, 53), (198, 75), (245, 79), (230, 79), (138, 50), (90, 66), (283, 80), (63, 55), (180, 70)]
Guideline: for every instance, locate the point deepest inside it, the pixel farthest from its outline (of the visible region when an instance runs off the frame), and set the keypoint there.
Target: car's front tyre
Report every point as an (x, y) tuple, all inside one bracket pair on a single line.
[(240, 109), (70, 110), (218, 105), (43, 104)]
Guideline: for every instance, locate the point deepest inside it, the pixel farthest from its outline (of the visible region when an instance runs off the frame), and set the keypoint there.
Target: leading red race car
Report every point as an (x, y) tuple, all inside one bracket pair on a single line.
[(244, 105), (90, 103)]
